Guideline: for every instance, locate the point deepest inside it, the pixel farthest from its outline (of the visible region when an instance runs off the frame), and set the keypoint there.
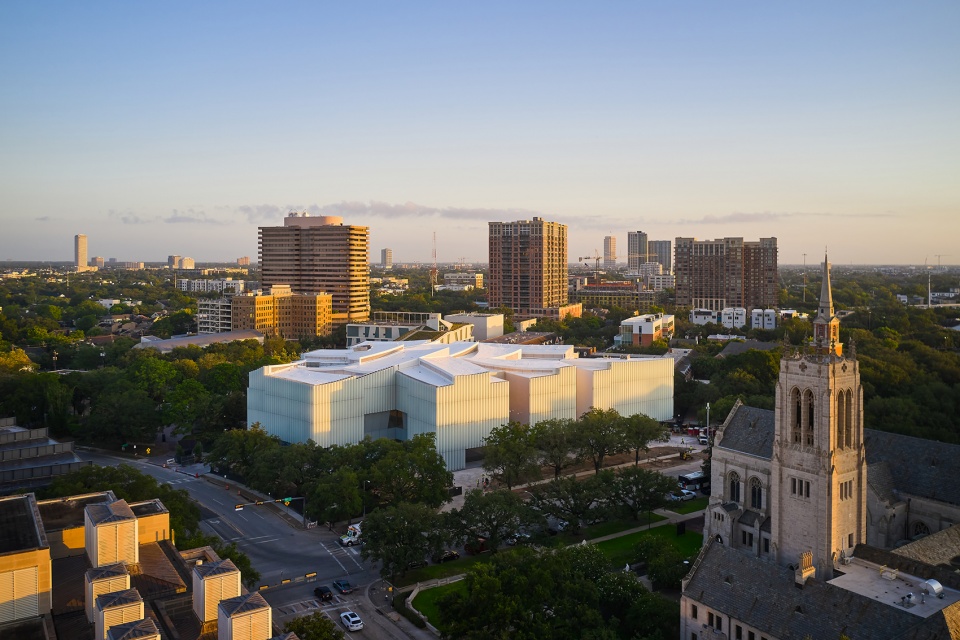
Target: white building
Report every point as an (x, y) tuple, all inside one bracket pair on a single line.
[(485, 325), (214, 315), (763, 319), (223, 286), (462, 279), (387, 326), (458, 391), (643, 331), (703, 316), (659, 282), (733, 317)]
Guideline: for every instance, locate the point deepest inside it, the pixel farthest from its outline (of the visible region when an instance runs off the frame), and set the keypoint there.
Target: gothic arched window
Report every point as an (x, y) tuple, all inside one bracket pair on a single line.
[(920, 528), (756, 493), (796, 409), (734, 494), (841, 418), (809, 404), (848, 418)]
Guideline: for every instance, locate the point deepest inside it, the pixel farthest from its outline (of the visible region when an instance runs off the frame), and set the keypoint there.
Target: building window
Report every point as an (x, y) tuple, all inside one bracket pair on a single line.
[(920, 529), (810, 406), (850, 540), (797, 414), (756, 493), (738, 633), (793, 486), (710, 618), (766, 545), (734, 487), (747, 538), (841, 417), (806, 489), (693, 611), (750, 635)]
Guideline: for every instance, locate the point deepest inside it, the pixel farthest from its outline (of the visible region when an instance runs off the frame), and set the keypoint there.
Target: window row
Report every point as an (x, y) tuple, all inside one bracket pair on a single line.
[(756, 490), (846, 490), (800, 488)]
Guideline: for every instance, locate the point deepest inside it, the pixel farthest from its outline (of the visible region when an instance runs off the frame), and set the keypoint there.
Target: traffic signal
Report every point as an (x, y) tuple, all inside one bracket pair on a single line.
[(239, 507)]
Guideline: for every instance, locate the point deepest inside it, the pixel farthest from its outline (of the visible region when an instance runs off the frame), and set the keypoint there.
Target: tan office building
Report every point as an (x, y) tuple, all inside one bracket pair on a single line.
[(282, 313), (320, 255)]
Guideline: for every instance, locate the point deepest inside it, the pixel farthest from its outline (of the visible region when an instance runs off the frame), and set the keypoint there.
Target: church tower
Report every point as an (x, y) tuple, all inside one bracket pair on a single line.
[(818, 470)]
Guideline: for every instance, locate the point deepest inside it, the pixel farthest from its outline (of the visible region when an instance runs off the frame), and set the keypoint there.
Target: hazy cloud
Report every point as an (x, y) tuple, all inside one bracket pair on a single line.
[(738, 217), (127, 217), (412, 209), (190, 217), (44, 219)]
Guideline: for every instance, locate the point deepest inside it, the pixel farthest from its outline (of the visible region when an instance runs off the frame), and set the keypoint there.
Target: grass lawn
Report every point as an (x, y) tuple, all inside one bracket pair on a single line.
[(426, 600), (690, 505), (620, 550), (434, 571), (616, 526)]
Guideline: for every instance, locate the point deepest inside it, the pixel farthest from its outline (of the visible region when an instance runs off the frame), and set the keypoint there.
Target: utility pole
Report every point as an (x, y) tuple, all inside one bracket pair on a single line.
[(804, 278)]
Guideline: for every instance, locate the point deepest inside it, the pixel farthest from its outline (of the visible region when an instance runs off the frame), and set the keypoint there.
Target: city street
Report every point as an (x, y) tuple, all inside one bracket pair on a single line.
[(283, 552)]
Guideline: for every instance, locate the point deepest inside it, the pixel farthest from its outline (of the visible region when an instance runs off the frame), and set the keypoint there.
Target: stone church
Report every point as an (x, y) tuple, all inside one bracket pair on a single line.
[(805, 491)]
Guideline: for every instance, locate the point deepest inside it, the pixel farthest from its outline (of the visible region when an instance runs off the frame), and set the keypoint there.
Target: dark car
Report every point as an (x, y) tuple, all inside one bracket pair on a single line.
[(448, 555), (416, 564), (342, 586), (323, 592)]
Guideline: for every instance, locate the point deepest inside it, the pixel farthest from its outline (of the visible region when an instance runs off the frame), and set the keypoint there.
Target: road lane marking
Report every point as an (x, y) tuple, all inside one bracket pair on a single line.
[(337, 560)]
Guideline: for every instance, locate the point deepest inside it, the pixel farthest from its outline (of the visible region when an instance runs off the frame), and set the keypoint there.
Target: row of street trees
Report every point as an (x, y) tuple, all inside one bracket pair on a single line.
[(401, 535), (515, 452), (338, 483)]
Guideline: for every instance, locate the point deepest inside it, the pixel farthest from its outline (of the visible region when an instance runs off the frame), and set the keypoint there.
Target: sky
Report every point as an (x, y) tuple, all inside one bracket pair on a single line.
[(180, 127)]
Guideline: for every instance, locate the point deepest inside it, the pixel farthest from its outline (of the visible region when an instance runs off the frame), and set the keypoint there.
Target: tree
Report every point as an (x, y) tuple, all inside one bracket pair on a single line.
[(567, 498), (493, 516), (15, 361), (510, 455), (123, 413), (636, 490), (412, 471), (665, 566), (315, 626), (186, 405), (555, 441), (600, 433), (400, 535), (640, 430), (335, 496), (237, 450)]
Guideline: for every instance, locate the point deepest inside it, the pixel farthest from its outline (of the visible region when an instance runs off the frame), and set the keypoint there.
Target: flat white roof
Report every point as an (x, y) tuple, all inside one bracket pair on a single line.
[(891, 587)]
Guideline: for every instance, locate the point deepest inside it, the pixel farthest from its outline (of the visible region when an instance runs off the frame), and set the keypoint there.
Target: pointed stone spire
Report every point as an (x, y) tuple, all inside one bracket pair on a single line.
[(825, 310), (826, 326)]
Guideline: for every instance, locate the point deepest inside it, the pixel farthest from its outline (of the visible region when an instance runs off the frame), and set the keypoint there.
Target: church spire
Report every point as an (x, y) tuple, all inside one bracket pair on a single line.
[(826, 295), (826, 326)]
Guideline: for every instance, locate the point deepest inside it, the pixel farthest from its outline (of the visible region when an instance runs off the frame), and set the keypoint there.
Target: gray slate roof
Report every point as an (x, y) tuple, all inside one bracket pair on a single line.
[(130, 630), (918, 467), (117, 511), (749, 430), (218, 568), (117, 598), (765, 596), (937, 549), (737, 347), (106, 571), (243, 603)]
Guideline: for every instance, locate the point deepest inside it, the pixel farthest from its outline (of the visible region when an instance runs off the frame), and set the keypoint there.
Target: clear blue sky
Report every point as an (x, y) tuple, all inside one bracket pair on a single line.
[(162, 128)]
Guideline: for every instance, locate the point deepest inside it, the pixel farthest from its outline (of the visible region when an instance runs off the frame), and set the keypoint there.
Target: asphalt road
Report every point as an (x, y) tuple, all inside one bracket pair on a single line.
[(284, 553)]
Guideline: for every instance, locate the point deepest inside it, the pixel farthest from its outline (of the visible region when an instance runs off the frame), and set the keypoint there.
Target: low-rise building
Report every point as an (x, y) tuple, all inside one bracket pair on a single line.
[(463, 279), (763, 319), (223, 286), (703, 316), (643, 331), (458, 391), (733, 317), (485, 325)]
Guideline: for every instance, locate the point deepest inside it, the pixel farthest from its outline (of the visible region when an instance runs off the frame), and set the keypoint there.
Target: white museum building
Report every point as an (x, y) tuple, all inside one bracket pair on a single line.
[(458, 391)]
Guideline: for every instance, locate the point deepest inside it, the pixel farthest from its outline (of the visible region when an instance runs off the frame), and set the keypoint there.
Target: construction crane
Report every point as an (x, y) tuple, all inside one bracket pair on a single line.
[(596, 256)]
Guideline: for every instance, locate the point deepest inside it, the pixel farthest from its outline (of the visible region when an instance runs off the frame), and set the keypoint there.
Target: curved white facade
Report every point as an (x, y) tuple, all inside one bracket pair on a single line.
[(458, 391)]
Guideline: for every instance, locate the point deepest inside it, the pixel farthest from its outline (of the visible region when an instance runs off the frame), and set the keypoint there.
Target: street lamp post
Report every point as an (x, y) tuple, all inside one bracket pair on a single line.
[(103, 354), (708, 419), (365, 483)]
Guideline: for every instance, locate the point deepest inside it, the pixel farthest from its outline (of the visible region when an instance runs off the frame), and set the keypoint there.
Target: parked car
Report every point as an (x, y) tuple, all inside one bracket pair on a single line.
[(704, 440), (681, 495), (556, 526), (447, 556), (323, 592), (342, 586), (351, 621), (416, 564), (520, 537)]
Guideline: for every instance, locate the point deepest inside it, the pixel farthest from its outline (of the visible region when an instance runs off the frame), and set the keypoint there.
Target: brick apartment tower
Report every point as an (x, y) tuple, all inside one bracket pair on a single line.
[(528, 266), (662, 250), (637, 250), (714, 274), (316, 255)]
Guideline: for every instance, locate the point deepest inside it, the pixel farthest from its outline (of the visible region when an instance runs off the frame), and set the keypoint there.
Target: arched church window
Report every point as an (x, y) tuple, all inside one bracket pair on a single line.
[(848, 419), (920, 528), (797, 411), (734, 495), (809, 405), (841, 417), (756, 493)]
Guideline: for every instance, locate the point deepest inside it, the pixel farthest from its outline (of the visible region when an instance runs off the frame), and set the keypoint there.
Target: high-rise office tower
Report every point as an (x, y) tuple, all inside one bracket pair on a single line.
[(173, 262), (610, 252), (320, 255), (714, 274), (80, 251), (386, 258), (661, 251), (636, 250)]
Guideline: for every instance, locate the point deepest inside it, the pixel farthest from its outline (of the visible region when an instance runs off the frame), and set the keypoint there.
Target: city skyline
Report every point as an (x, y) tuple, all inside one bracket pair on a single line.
[(702, 120)]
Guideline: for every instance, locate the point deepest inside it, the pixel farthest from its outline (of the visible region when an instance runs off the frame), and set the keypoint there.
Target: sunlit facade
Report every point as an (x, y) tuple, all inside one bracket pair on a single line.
[(457, 391)]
